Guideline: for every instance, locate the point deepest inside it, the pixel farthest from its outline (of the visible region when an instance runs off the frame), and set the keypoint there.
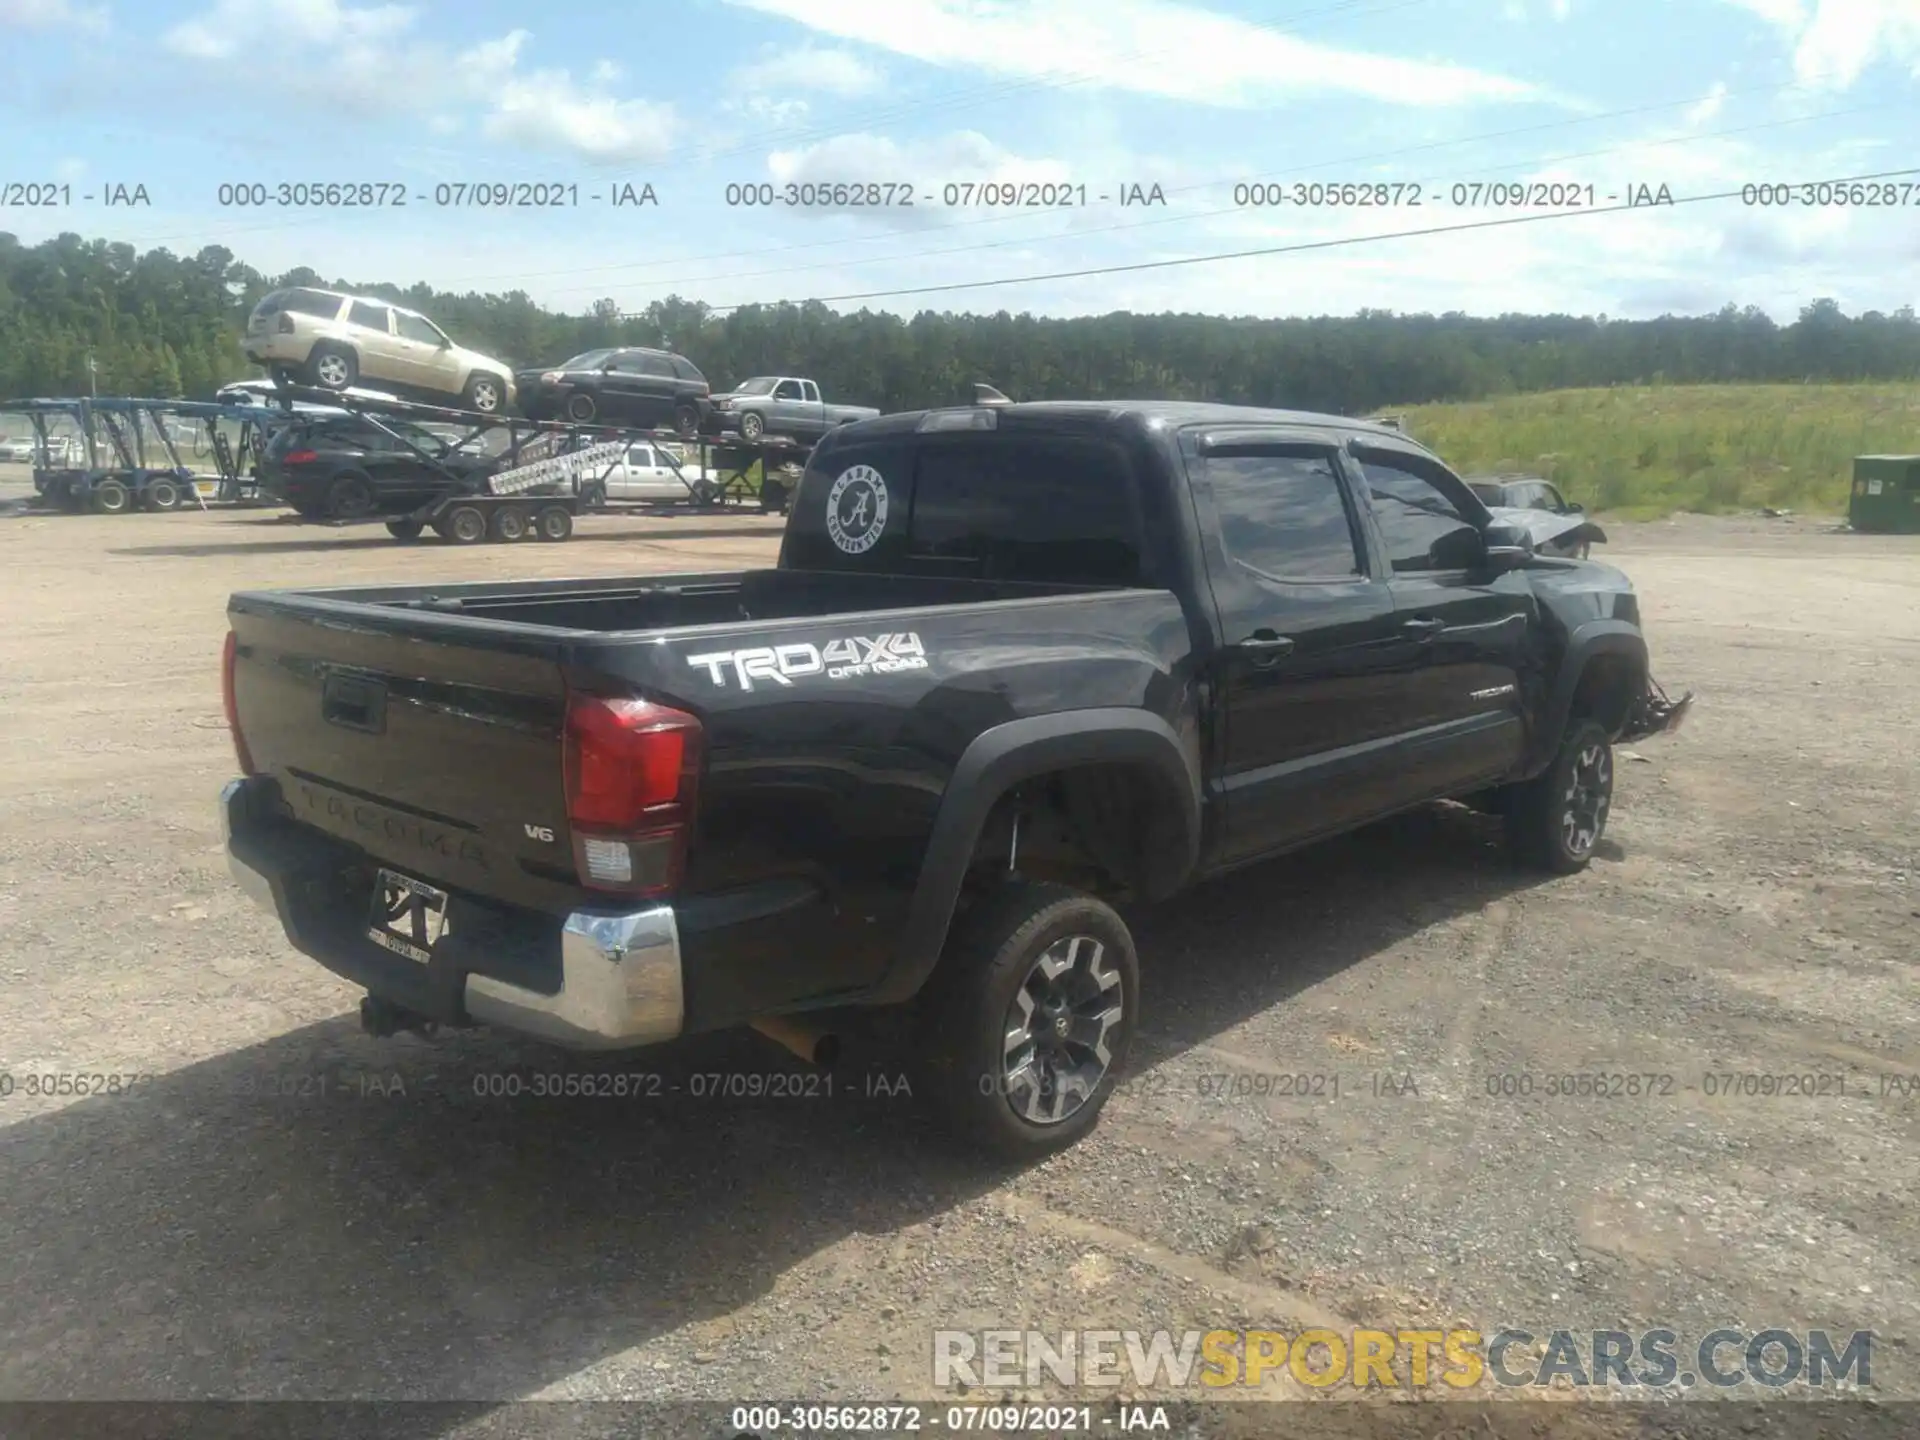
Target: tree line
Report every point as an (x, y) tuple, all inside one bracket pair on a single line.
[(156, 323)]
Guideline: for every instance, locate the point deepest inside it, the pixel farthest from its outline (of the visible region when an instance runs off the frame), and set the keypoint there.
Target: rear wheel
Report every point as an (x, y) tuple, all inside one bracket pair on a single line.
[(510, 523), (163, 495), (350, 496), (594, 497), (464, 525), (111, 497), (554, 522), (1027, 1019), (686, 419), (404, 529), (333, 367), (1556, 819), (580, 407)]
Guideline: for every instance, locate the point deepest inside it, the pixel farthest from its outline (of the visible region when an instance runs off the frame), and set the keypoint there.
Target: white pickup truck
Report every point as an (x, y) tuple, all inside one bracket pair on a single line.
[(652, 472)]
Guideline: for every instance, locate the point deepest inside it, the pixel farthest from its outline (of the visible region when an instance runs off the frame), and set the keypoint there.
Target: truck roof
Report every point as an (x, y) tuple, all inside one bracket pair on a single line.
[(1173, 412)]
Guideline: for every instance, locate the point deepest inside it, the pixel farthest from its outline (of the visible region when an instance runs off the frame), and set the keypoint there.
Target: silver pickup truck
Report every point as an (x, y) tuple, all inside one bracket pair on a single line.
[(782, 405)]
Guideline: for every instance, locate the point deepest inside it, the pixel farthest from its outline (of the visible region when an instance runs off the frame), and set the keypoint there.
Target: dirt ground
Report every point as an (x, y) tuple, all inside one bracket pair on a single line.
[(282, 1208)]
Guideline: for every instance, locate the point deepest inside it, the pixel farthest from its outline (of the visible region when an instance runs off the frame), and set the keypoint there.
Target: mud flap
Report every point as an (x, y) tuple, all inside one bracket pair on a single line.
[(1654, 714)]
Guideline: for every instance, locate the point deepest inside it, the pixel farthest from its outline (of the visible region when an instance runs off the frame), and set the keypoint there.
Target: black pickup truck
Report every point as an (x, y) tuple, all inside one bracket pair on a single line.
[(1015, 663)]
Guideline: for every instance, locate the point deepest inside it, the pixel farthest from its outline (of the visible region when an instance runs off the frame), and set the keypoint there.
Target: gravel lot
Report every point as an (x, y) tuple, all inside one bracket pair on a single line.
[(288, 1209)]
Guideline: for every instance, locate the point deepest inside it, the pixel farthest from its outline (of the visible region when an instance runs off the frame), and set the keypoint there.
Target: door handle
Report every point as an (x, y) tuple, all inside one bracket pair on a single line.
[(1266, 646), (1423, 627)]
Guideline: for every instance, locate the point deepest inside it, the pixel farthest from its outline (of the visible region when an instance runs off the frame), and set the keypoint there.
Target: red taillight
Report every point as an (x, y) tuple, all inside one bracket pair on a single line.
[(632, 768), (227, 658), (299, 457)]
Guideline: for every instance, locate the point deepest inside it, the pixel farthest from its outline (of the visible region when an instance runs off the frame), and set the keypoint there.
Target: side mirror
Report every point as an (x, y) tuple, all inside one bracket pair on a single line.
[(1461, 549), (1503, 547)]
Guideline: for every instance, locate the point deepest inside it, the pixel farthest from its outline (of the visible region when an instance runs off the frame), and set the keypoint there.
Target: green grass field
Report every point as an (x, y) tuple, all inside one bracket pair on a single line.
[(1640, 452)]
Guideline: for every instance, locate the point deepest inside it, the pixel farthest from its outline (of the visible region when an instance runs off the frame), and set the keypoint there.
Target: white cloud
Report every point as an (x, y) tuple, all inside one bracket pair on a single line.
[(1787, 14), (235, 27), (963, 155), (48, 14), (1847, 36), (1836, 41), (369, 61), (547, 110), (1162, 48), (1710, 104), (809, 67)]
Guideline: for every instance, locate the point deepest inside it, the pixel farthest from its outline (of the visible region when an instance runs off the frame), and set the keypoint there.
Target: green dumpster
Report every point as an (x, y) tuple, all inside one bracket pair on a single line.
[(1886, 494)]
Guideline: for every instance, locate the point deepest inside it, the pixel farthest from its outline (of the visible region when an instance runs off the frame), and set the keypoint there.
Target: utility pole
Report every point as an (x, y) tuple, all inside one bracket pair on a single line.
[(92, 370)]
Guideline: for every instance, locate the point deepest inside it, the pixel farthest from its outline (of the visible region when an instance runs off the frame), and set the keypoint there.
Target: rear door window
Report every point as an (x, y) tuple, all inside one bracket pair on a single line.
[(655, 365), (369, 317), (1281, 513)]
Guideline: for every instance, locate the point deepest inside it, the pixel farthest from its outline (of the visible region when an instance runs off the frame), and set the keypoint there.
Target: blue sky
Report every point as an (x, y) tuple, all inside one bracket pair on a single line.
[(692, 96)]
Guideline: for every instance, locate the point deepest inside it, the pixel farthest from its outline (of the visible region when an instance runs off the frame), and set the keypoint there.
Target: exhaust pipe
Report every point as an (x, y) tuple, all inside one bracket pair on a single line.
[(815, 1046)]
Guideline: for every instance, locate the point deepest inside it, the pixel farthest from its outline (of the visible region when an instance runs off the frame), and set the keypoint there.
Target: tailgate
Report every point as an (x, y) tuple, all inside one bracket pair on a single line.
[(438, 755)]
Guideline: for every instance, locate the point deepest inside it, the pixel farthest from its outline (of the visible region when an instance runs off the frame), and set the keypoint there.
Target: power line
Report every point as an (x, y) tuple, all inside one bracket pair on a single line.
[(1300, 247)]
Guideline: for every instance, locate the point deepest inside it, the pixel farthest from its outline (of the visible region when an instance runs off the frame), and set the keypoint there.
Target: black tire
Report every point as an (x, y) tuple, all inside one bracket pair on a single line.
[(162, 495), (464, 525), (511, 523), (686, 419), (112, 497), (554, 522), (706, 493), (404, 530), (484, 393), (594, 497), (752, 426), (333, 367), (981, 989), (349, 497), (1555, 821), (773, 498), (581, 407), (282, 375)]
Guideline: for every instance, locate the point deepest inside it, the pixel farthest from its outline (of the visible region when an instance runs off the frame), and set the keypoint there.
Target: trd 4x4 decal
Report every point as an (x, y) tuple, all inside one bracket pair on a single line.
[(838, 660)]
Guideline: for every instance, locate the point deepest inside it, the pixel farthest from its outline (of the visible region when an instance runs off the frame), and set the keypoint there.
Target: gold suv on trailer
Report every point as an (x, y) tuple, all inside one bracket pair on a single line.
[(319, 337)]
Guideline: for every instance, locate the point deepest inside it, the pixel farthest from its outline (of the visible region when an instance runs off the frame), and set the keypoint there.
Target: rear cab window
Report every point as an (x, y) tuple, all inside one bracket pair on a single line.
[(1038, 507)]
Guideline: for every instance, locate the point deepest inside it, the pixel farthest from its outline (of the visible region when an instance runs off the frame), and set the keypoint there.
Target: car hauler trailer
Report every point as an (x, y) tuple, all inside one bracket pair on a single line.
[(116, 453)]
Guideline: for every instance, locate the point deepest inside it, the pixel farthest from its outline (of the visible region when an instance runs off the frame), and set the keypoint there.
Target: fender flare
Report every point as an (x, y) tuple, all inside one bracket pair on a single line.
[(1584, 645), (1002, 757)]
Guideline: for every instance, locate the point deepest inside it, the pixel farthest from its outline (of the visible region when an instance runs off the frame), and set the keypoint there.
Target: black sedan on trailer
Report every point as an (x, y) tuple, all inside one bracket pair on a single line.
[(343, 467), (651, 389)]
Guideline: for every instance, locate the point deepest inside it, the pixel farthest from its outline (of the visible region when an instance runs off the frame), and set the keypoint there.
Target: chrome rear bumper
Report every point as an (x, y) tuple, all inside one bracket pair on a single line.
[(621, 978)]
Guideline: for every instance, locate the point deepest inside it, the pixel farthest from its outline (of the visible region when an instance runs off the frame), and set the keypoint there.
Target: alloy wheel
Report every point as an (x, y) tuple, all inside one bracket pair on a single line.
[(1589, 794), (1055, 1053)]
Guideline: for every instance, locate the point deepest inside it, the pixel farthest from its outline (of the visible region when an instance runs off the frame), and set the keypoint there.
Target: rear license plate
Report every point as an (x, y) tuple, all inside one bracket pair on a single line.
[(408, 917)]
